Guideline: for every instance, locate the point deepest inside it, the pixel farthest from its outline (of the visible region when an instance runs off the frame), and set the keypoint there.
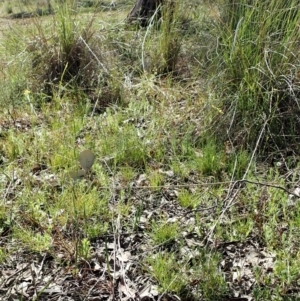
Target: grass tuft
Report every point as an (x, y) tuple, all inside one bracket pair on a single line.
[(256, 65)]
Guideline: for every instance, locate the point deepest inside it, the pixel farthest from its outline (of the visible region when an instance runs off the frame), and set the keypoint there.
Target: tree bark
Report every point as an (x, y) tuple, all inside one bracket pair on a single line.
[(143, 10)]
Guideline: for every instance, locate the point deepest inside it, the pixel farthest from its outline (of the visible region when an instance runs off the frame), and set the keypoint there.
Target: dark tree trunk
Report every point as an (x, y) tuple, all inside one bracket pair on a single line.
[(143, 10)]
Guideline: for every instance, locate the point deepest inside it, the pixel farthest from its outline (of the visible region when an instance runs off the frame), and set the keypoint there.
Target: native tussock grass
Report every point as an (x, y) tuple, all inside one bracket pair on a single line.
[(256, 62), (178, 116)]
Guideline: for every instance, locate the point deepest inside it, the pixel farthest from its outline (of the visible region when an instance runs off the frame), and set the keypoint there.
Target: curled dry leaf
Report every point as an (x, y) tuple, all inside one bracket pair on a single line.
[(86, 159)]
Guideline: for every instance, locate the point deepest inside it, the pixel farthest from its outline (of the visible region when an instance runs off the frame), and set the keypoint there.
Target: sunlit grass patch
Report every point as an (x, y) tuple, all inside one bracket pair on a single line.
[(156, 179), (4, 217), (188, 199), (78, 202), (205, 268), (174, 274), (29, 239), (3, 255), (167, 271), (164, 232), (95, 228), (122, 143)]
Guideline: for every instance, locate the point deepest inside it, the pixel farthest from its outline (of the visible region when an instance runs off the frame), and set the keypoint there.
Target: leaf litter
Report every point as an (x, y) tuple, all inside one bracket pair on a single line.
[(116, 268), (114, 271), (100, 278)]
